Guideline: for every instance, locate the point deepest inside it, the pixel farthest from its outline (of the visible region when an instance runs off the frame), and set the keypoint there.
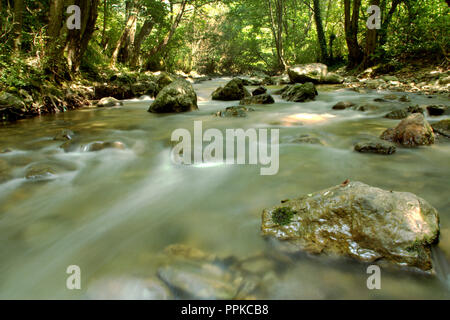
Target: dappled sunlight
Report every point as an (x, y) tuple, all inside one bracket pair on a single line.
[(306, 118)]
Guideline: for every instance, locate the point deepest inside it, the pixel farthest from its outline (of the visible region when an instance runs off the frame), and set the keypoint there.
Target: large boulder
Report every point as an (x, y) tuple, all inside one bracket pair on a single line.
[(11, 106), (179, 96), (300, 92), (332, 78), (411, 132), (258, 99), (164, 79), (233, 90), (358, 221), (311, 72)]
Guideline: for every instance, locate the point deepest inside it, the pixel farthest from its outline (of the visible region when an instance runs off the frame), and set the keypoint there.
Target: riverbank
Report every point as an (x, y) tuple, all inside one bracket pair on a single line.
[(35, 97)]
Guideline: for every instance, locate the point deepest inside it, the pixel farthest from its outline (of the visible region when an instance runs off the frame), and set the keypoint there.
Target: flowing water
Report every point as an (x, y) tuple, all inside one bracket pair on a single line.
[(112, 212)]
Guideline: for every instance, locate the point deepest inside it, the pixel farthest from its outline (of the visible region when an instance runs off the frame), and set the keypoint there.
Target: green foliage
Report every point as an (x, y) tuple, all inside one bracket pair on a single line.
[(283, 216)]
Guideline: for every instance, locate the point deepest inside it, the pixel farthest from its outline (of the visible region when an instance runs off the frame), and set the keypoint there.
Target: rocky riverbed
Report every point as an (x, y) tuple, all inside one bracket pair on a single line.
[(95, 187)]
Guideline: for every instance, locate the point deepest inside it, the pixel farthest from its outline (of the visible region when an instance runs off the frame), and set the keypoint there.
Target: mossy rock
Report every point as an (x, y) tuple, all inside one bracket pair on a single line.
[(358, 221)]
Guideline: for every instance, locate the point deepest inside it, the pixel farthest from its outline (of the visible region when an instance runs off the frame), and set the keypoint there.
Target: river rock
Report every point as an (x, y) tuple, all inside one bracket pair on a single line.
[(358, 221), (411, 132), (343, 105), (306, 138), (397, 114), (375, 146), (415, 109), (234, 112), (128, 288), (405, 98), (64, 135), (233, 90), (300, 92), (109, 102), (442, 127), (164, 79), (311, 72), (179, 96), (437, 110), (40, 171), (259, 90), (198, 280), (11, 106), (258, 99), (98, 146), (332, 78)]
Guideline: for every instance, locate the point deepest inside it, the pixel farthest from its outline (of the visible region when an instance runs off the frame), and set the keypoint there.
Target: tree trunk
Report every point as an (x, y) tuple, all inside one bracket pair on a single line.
[(123, 38), (320, 33), (136, 48), (105, 19), (18, 22), (371, 43), (277, 30), (163, 44), (78, 40), (355, 53), (55, 47)]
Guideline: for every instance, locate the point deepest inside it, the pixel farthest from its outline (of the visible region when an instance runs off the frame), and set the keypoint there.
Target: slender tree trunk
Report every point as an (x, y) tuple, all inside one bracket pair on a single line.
[(163, 44), (277, 30), (320, 33), (125, 34), (55, 47), (143, 33), (371, 43), (355, 53), (18, 23), (105, 20), (78, 40)]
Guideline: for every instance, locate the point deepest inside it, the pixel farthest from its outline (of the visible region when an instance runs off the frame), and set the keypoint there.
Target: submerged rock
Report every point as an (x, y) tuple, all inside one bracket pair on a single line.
[(411, 132), (442, 127), (264, 98), (233, 90), (128, 288), (306, 138), (40, 171), (109, 102), (200, 280), (258, 91), (234, 112), (179, 96), (375, 146), (300, 92), (98, 146), (311, 72), (358, 221), (64, 135), (343, 105)]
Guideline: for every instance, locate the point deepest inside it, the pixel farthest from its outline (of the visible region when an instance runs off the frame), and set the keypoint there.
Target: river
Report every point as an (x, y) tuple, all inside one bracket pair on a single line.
[(112, 212)]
